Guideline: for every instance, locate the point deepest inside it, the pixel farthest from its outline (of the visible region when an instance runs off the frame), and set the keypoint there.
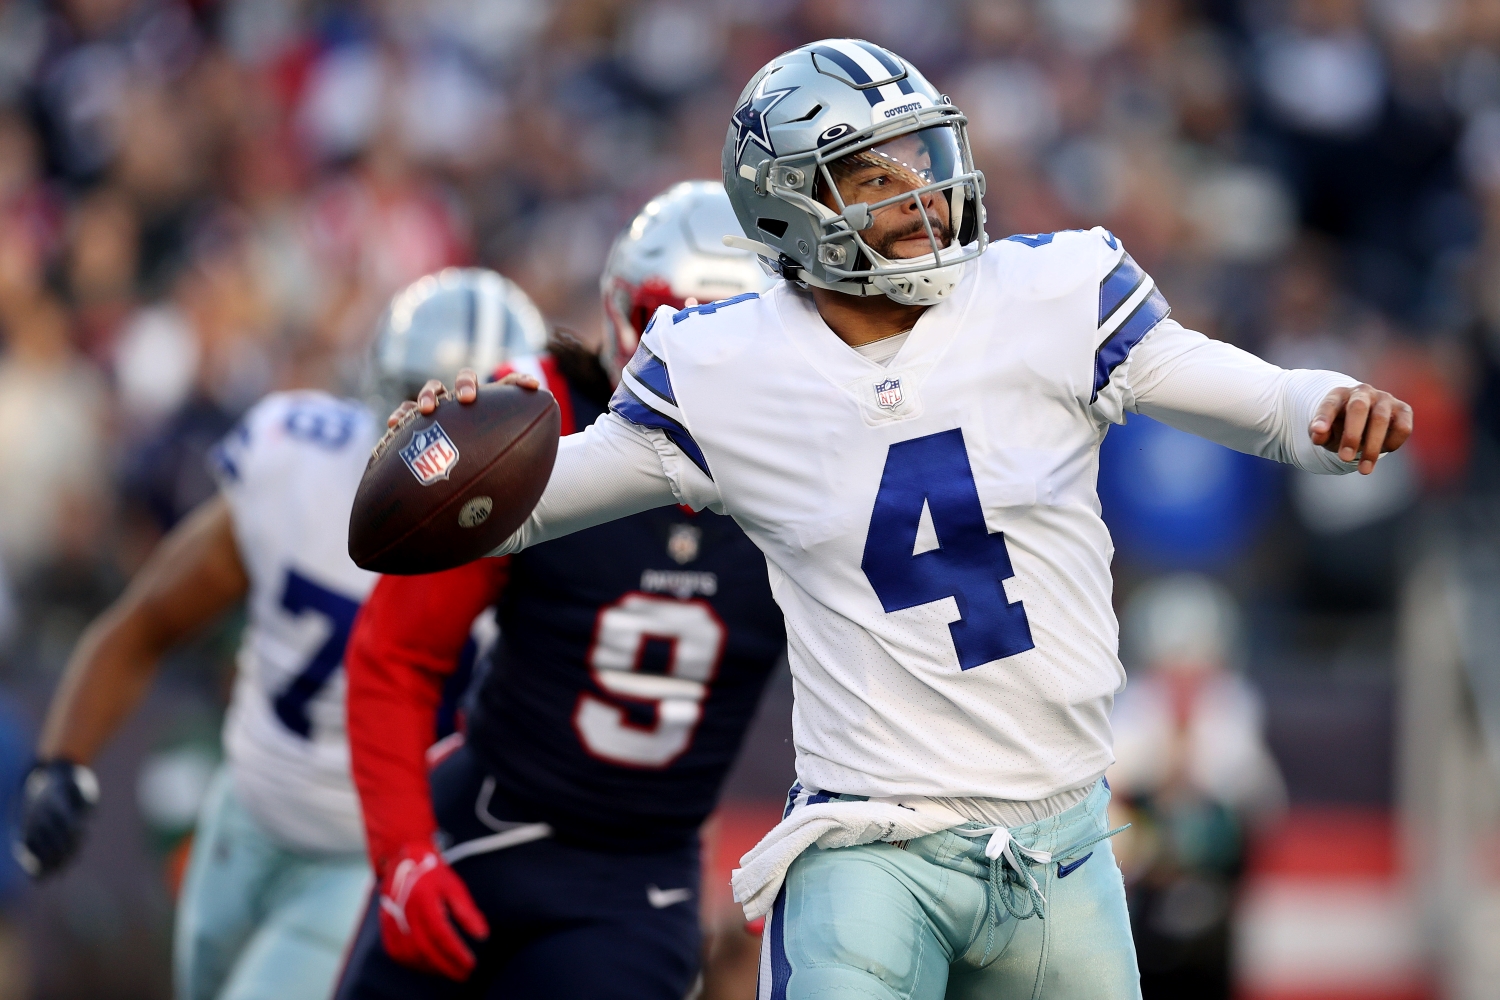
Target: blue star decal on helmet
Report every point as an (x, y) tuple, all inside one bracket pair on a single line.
[(750, 119)]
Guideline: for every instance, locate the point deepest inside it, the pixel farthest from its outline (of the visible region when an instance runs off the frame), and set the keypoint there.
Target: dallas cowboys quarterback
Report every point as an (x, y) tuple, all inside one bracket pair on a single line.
[(278, 873), (908, 427)]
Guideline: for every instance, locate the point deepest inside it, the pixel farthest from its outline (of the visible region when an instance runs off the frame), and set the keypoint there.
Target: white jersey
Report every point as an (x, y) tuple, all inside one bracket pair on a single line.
[(289, 472), (931, 526)]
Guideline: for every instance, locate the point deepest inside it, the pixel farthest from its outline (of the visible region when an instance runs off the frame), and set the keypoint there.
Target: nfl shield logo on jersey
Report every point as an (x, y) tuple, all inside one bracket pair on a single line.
[(888, 393), (683, 542), (431, 455)]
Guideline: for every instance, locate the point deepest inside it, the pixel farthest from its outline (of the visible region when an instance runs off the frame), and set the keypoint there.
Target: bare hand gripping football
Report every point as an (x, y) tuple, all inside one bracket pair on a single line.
[(448, 482)]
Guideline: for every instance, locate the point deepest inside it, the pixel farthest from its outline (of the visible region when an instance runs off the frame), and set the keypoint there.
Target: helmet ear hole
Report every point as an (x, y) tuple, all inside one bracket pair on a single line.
[(776, 227)]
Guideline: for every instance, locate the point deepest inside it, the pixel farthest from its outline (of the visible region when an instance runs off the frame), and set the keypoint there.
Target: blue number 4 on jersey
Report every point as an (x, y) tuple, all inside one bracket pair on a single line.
[(970, 563)]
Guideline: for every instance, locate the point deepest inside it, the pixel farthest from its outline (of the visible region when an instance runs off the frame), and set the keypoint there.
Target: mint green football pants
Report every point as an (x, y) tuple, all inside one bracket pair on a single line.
[(936, 918), (257, 921)]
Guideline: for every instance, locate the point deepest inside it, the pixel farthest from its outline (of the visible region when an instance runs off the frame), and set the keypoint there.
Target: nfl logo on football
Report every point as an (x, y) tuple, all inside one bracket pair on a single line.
[(888, 393), (431, 455)]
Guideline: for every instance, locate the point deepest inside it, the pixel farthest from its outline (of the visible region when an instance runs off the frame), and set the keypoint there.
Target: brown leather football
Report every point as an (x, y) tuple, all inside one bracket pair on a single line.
[(445, 489)]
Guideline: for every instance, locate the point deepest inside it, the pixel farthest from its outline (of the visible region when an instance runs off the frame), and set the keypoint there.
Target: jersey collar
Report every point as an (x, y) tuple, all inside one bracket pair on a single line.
[(841, 364)]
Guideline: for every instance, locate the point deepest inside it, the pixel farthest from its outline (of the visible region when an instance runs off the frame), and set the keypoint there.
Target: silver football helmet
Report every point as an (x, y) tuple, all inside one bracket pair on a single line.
[(847, 110), (456, 318), (670, 253)]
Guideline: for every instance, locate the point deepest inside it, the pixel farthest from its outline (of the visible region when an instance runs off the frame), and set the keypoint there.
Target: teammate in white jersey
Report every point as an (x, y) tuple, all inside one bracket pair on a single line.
[(278, 873), (908, 427)]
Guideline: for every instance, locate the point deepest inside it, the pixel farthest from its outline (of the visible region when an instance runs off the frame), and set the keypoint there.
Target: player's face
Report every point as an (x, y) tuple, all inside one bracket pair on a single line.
[(903, 164)]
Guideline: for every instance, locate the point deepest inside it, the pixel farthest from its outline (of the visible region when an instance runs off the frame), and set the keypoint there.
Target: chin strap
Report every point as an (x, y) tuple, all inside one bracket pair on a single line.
[(752, 246), (778, 261)]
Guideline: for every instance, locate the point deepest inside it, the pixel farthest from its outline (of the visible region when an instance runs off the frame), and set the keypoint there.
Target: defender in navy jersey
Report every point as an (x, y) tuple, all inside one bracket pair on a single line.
[(631, 660)]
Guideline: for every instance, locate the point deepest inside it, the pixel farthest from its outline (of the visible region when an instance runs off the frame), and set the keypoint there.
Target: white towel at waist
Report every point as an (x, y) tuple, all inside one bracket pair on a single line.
[(830, 821), (830, 825)]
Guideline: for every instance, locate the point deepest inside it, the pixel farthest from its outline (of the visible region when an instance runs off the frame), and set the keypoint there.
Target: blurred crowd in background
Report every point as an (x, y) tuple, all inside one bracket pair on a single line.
[(204, 200)]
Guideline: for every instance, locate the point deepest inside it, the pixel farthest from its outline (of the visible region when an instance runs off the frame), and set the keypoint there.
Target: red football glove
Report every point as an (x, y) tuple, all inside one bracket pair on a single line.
[(417, 896)]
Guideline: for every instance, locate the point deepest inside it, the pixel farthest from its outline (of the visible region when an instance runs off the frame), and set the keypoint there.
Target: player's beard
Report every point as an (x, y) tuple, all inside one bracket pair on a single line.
[(942, 230)]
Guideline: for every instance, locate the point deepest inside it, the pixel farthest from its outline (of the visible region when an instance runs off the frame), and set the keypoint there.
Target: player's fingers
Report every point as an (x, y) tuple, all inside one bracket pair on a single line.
[(1401, 425), (428, 397), (470, 920), (466, 385), (399, 412), (445, 949), (1356, 412), (1326, 413), (1375, 429), (521, 379)]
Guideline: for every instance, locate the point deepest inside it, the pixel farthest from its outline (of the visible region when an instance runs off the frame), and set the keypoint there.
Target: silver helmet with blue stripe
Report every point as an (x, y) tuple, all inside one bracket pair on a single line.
[(457, 318), (847, 170), (671, 255)]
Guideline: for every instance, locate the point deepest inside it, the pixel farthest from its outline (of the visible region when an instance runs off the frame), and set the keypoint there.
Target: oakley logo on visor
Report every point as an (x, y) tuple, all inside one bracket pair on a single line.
[(834, 132)]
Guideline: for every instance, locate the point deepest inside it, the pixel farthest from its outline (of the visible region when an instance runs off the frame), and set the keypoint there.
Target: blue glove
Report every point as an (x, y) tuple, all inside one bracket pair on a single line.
[(56, 802)]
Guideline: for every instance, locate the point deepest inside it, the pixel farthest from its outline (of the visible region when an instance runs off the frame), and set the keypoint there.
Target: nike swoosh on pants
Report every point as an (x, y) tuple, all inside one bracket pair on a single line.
[(663, 898), (1064, 870)]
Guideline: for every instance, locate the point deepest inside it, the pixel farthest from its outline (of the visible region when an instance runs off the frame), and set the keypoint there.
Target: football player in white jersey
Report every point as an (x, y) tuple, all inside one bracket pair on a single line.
[(908, 426), (278, 873)]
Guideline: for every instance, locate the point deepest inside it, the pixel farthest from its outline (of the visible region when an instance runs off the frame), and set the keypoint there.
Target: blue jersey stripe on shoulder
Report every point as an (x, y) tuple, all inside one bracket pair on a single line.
[(1117, 348), (855, 70), (709, 308), (1118, 286), (628, 405), (651, 373)]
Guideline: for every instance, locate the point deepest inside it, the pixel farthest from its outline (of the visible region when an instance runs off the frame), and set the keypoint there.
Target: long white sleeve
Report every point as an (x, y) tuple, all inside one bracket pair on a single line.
[(611, 470), (1229, 396)]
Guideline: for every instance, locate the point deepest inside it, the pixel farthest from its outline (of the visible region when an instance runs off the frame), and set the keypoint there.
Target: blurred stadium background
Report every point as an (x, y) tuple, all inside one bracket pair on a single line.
[(202, 200)]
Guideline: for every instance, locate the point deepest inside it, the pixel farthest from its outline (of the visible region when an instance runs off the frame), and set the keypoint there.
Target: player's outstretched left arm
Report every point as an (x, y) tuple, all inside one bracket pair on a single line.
[(1319, 421), (1361, 421), (192, 577)]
